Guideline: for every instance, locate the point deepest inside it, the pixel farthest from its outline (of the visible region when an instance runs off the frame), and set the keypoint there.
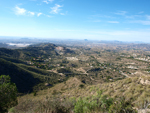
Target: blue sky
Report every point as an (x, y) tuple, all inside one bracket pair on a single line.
[(124, 20)]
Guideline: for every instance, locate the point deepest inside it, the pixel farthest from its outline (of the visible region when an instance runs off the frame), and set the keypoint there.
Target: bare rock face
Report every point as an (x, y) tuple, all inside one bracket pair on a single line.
[(144, 82)]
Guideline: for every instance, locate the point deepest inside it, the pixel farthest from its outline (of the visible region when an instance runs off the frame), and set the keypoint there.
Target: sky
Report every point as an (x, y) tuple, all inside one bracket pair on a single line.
[(123, 20)]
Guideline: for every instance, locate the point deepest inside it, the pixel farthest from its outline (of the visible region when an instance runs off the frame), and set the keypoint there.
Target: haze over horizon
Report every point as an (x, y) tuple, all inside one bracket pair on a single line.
[(123, 20)]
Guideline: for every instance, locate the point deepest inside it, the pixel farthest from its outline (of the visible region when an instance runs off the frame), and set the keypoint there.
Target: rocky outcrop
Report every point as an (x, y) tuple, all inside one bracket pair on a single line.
[(144, 82)]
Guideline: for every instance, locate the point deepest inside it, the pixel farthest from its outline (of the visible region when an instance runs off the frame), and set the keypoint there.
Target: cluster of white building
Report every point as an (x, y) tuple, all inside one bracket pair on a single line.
[(144, 59), (72, 58)]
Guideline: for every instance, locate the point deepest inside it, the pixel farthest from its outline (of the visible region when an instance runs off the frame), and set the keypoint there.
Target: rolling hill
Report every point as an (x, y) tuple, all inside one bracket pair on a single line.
[(28, 78)]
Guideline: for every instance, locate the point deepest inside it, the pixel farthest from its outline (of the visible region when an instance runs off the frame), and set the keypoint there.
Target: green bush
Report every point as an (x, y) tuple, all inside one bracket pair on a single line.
[(121, 106), (81, 86), (98, 103), (84, 106), (12, 110), (34, 93), (8, 93)]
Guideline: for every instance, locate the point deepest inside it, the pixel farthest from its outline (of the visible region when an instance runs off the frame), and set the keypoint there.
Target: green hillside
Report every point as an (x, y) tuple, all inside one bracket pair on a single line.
[(46, 50), (26, 77)]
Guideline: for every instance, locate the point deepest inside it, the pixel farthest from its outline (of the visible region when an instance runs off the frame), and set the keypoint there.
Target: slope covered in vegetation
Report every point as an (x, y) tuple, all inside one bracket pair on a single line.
[(26, 77), (128, 95)]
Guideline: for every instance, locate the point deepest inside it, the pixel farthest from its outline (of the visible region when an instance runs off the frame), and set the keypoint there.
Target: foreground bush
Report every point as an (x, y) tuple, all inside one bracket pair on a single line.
[(121, 106), (103, 104), (8, 94), (49, 105), (98, 103), (95, 104)]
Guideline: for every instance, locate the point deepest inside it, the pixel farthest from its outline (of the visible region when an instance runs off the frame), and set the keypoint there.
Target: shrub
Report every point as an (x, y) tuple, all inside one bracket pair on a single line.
[(34, 93), (84, 106), (121, 106), (81, 86), (98, 103), (55, 105), (8, 93), (12, 110), (26, 106)]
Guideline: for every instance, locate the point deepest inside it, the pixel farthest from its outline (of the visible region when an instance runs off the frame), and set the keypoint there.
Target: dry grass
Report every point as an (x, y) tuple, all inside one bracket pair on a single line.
[(130, 88)]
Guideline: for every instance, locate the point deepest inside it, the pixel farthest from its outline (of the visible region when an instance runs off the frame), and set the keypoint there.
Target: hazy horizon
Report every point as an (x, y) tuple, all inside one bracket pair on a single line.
[(122, 20)]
